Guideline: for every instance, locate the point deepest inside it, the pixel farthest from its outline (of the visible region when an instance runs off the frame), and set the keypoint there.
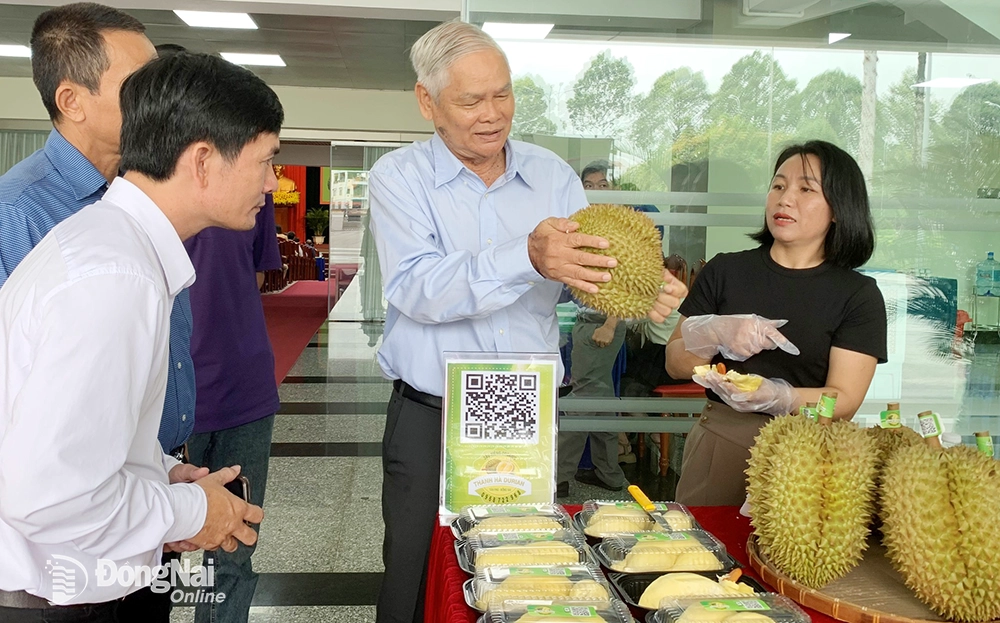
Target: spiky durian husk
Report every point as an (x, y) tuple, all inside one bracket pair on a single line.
[(635, 242), (811, 490), (887, 441), (941, 520)]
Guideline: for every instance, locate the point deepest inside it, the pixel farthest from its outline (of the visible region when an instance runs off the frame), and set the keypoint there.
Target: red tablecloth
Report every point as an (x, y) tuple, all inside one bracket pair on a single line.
[(446, 604)]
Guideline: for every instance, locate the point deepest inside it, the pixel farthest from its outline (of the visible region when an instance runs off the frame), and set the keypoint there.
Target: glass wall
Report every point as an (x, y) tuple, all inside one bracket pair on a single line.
[(690, 101)]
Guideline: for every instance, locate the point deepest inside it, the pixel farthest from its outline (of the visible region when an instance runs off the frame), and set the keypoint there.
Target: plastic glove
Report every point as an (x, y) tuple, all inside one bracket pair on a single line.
[(774, 396), (736, 337)]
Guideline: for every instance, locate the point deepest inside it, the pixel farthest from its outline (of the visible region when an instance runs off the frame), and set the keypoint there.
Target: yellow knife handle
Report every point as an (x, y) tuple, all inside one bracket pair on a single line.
[(641, 498)]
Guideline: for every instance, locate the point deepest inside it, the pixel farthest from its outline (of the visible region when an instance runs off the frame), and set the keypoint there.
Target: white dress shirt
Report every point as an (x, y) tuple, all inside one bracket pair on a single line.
[(84, 327), (454, 255)]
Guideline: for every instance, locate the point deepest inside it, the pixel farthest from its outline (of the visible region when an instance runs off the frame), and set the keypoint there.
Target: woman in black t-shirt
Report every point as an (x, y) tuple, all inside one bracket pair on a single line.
[(801, 280)]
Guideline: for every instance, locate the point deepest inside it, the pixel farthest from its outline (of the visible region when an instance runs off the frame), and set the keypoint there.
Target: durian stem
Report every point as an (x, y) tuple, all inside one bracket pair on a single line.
[(984, 443), (930, 428), (827, 405)]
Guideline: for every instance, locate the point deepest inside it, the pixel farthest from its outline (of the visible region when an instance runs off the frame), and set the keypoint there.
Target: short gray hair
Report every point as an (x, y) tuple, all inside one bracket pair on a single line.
[(435, 52)]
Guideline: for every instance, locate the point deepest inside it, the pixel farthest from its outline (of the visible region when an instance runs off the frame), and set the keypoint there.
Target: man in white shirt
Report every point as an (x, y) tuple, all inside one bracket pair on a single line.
[(84, 323)]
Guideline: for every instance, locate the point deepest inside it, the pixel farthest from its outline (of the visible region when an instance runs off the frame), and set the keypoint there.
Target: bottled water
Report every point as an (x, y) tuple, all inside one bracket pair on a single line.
[(988, 294)]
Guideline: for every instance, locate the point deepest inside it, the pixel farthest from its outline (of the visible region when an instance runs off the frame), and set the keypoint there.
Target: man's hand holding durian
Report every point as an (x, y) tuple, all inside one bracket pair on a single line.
[(736, 337), (559, 253), (773, 396)]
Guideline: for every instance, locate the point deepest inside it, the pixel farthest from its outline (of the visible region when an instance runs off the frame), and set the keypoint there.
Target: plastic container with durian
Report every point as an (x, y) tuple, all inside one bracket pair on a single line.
[(515, 549), (509, 518), (602, 518), (645, 591), (759, 608), (576, 582), (645, 552), (556, 611)]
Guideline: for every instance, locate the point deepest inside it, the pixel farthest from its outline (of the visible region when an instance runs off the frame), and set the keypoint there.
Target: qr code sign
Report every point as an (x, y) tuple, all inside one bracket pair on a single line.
[(499, 407)]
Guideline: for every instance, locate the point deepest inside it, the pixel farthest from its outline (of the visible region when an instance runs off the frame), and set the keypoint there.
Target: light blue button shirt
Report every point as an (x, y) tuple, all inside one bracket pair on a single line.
[(454, 256)]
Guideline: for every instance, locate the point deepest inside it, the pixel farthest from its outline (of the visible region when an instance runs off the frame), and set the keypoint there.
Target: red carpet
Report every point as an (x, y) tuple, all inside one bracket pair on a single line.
[(293, 316)]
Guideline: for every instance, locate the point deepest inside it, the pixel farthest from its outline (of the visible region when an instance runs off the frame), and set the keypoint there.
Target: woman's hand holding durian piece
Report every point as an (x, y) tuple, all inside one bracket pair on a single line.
[(773, 396), (736, 337)]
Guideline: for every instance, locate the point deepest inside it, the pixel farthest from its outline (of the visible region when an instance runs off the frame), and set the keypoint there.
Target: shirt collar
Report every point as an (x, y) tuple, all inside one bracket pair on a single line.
[(447, 166), (174, 259), (80, 173)]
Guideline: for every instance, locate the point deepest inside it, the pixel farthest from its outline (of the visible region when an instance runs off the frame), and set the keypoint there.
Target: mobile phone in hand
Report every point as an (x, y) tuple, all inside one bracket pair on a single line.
[(240, 487)]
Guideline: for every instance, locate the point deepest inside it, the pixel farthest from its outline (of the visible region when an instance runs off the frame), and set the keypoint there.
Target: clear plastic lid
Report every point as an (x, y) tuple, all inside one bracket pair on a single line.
[(693, 550), (514, 549), (510, 518), (577, 582), (556, 611), (600, 518), (759, 608)]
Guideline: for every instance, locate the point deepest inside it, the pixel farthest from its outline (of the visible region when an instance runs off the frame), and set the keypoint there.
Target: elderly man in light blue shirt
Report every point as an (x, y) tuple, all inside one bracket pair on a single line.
[(474, 244)]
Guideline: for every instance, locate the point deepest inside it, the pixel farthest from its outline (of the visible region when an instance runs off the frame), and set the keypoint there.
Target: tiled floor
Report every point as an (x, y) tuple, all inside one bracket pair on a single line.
[(319, 549)]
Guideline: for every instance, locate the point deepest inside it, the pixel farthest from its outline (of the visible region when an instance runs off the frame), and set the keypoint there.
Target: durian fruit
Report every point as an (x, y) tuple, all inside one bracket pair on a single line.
[(811, 489), (697, 613), (546, 588), (941, 518), (527, 523), (541, 553), (676, 585), (611, 520), (588, 590), (887, 441), (677, 520), (534, 587), (604, 524), (550, 618), (635, 242), (668, 556)]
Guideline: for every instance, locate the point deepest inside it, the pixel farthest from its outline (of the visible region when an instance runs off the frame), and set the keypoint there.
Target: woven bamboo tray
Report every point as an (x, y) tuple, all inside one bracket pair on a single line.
[(873, 592)]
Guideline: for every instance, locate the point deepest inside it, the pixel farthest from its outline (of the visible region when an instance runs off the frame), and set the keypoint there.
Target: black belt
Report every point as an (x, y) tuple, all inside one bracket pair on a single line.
[(407, 391)]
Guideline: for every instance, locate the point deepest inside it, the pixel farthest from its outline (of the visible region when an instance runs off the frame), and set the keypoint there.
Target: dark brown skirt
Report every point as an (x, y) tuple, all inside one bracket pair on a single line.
[(713, 472)]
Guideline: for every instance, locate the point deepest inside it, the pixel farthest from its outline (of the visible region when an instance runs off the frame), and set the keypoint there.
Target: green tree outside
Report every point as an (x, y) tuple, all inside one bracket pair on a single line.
[(531, 113), (603, 103)]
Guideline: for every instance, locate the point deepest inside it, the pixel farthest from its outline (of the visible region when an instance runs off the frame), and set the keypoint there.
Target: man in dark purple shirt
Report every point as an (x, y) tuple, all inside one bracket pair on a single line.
[(234, 370)]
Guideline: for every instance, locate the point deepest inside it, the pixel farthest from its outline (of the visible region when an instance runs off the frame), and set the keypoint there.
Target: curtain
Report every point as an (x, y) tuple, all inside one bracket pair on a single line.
[(16, 145), (297, 218)]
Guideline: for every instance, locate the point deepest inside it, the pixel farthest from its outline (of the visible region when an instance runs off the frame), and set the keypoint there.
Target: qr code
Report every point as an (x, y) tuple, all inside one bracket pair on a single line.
[(499, 407), (580, 611)]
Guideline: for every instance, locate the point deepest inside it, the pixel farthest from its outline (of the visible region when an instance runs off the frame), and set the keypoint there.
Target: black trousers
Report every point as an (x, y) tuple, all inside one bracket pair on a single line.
[(90, 613), (411, 457), (145, 606)]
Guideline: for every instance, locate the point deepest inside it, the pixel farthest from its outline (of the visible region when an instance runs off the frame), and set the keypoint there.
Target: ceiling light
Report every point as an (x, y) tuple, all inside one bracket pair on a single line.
[(20, 51), (949, 83), (499, 30), (212, 19), (838, 36), (269, 60)]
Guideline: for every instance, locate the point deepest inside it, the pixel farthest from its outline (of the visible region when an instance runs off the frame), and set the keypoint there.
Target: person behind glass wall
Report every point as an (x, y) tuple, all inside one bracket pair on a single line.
[(818, 229), (474, 244), (80, 54), (86, 313), (597, 339)]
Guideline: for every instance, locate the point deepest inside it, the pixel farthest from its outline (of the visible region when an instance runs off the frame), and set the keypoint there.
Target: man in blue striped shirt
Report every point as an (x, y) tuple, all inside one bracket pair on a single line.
[(81, 53)]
